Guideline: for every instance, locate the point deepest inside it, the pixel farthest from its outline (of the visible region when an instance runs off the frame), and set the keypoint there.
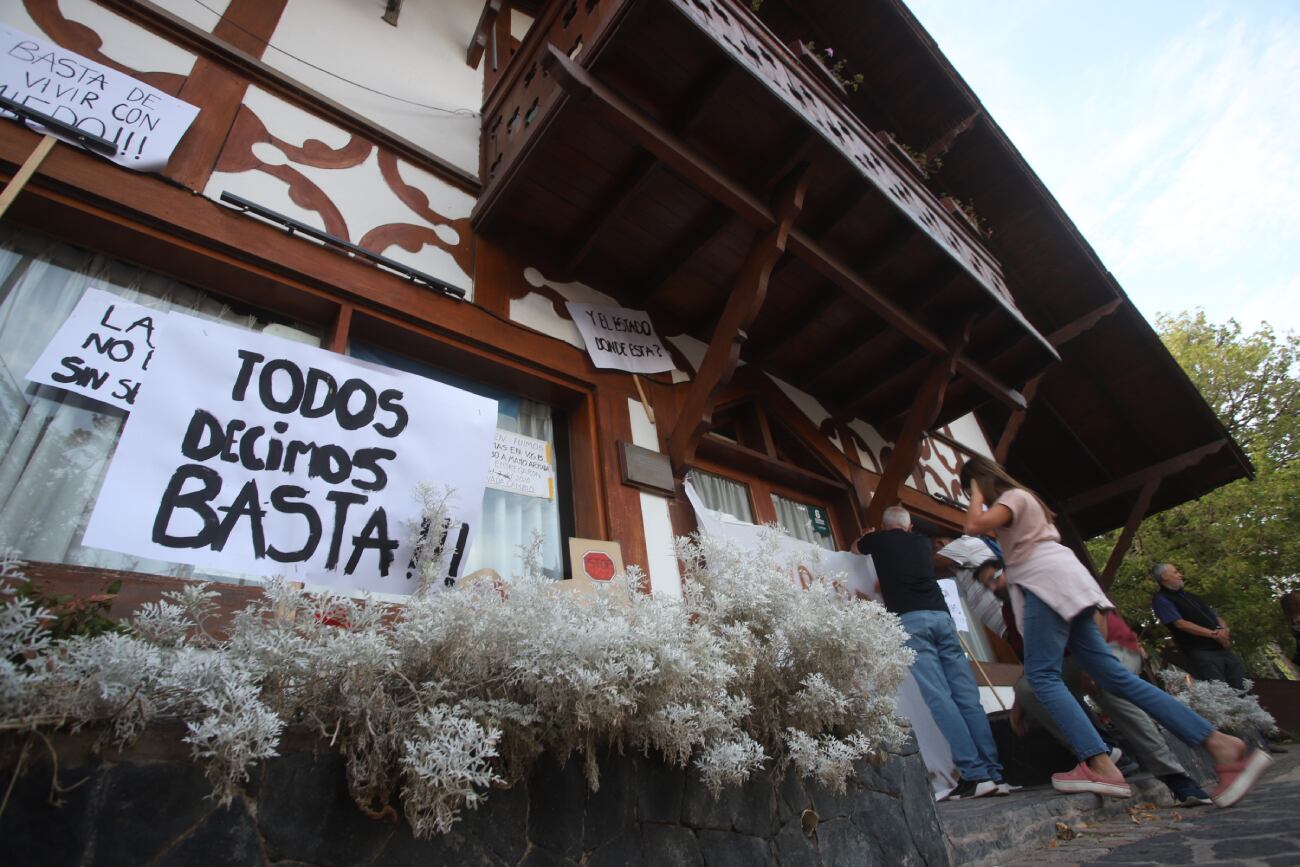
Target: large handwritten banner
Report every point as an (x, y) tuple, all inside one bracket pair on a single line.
[(254, 454), (145, 123), (619, 338), (102, 350)]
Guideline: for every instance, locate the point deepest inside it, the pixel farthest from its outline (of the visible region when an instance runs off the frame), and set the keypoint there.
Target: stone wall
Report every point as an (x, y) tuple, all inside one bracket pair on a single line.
[(149, 805)]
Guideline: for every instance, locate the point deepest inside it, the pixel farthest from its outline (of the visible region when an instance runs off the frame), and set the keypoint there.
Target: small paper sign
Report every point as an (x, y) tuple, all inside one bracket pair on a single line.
[(143, 122), (620, 339), (521, 465), (952, 596), (821, 522), (102, 350)]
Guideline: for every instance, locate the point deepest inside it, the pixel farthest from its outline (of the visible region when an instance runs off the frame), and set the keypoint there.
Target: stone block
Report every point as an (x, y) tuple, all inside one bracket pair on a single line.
[(671, 844), (610, 810), (725, 849), (917, 800), (793, 848), (227, 836), (38, 833), (538, 857), (557, 802), (624, 849), (792, 796), (305, 813), (660, 790), (145, 808), (749, 808), (841, 841)]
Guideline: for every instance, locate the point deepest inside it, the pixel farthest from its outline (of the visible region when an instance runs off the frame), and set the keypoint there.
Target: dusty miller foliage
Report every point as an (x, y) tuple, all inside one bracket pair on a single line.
[(1226, 708), (441, 698)]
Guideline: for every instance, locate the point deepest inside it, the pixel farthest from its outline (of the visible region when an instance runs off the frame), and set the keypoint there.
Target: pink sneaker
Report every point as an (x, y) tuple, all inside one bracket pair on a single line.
[(1082, 779), (1236, 779)]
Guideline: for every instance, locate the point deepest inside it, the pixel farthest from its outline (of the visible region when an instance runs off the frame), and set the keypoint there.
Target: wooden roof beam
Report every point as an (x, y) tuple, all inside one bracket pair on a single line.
[(1132, 480), (482, 31), (682, 159)]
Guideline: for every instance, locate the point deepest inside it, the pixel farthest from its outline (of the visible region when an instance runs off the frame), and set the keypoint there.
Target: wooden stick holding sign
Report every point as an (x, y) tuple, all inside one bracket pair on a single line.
[(982, 672), (25, 172), (649, 413)]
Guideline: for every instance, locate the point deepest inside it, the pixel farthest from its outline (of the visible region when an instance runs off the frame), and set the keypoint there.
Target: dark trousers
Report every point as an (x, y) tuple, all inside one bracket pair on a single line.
[(1221, 664)]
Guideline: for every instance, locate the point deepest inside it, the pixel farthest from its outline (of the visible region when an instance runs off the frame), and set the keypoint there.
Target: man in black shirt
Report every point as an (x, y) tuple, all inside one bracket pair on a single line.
[(1197, 629), (904, 563)]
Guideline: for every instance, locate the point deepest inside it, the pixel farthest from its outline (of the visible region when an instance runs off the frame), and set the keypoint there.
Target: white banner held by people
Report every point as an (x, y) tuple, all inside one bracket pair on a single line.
[(619, 338), (521, 465), (250, 453), (143, 122), (102, 350)]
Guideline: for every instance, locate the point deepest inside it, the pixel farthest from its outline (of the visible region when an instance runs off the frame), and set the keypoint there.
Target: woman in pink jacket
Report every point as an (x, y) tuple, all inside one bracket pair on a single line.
[(1054, 596)]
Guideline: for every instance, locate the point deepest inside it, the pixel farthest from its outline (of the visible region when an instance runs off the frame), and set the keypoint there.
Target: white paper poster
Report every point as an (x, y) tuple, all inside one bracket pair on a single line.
[(145, 123), (521, 465), (254, 454), (619, 338), (103, 350), (952, 598), (861, 574)]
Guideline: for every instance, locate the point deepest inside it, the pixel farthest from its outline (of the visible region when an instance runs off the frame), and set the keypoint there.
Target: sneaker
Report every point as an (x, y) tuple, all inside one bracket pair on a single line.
[(1082, 779), (1185, 790), (1115, 755), (968, 789), (1005, 788), (1236, 779)]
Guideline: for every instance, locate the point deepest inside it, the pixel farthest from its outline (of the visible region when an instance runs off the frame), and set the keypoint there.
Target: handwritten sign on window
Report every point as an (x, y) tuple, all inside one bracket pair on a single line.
[(620, 339), (521, 465), (143, 122), (102, 351)]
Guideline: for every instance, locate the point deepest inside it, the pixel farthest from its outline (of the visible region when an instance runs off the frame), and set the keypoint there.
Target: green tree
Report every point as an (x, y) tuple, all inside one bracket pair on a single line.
[(1239, 546)]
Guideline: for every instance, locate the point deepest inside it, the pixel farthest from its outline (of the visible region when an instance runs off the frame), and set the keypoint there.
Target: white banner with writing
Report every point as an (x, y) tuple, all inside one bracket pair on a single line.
[(619, 338), (143, 122), (861, 576), (952, 598), (250, 453), (102, 350), (521, 465)]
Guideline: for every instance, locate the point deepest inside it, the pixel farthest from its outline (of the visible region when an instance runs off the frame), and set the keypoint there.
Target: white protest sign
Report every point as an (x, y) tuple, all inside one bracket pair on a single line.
[(145, 123), (860, 574), (254, 454), (952, 598), (619, 338), (521, 465), (103, 349)]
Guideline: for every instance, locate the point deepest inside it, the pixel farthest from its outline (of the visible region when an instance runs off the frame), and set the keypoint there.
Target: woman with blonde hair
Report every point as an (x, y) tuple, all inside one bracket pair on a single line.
[(1054, 597)]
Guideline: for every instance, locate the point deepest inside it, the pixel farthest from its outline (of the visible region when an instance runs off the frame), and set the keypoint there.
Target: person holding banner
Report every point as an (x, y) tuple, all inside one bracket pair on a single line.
[(1055, 597), (904, 563)]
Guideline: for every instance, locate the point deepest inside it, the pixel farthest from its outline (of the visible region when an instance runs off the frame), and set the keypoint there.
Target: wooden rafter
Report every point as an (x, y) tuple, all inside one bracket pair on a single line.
[(1135, 516), (1016, 422), (688, 164), (1132, 480), (920, 418), (478, 42), (743, 303)]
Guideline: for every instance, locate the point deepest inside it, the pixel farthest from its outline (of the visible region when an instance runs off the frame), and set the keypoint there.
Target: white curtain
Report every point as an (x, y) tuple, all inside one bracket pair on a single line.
[(510, 521), (723, 495), (793, 517), (56, 446)]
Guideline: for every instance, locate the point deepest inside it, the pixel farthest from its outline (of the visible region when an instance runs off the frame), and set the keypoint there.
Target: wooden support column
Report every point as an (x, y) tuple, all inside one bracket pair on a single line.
[(743, 303), (1130, 529), (920, 418), (1017, 420)]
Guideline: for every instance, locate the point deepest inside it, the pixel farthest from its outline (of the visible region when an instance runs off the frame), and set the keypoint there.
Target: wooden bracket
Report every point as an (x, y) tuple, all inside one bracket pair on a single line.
[(743, 303), (1125, 539), (482, 31)]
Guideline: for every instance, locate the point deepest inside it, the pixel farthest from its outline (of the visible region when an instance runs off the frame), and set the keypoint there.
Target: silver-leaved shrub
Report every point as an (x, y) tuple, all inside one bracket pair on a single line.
[(1226, 708), (438, 699)]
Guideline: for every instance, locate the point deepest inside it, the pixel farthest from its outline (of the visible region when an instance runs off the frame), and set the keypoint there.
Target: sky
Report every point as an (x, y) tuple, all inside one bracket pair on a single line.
[(1169, 130)]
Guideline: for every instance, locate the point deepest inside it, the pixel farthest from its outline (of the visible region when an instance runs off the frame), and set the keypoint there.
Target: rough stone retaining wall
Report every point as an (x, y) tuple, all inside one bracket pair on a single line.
[(149, 805)]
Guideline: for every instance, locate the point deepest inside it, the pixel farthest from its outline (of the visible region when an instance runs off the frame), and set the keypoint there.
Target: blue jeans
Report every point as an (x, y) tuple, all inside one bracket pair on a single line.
[(1047, 635), (943, 676)]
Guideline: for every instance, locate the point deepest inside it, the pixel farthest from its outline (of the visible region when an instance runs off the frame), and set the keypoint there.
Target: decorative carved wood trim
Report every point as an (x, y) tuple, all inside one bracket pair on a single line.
[(920, 418), (1153, 472), (1125, 539), (743, 303)]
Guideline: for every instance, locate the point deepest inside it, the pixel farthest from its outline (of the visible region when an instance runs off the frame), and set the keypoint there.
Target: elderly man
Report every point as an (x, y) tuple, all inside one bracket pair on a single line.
[(905, 568), (1198, 630)]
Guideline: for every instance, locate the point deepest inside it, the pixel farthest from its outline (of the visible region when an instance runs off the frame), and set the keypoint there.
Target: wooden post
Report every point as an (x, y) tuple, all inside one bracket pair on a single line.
[(1014, 423), (743, 303), (1130, 529), (25, 172)]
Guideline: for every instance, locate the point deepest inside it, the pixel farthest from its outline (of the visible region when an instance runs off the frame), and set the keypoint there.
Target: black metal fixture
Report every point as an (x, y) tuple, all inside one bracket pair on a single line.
[(345, 247), (90, 141)]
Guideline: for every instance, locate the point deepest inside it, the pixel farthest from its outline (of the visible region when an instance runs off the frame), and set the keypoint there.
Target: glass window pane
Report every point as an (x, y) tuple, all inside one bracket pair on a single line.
[(796, 519), (510, 521), (723, 495)]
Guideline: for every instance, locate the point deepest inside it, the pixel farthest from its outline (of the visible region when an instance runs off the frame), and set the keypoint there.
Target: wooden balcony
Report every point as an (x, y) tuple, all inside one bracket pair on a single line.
[(637, 145)]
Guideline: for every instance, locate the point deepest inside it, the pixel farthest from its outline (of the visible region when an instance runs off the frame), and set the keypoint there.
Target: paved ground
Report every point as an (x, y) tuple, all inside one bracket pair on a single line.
[(1264, 829)]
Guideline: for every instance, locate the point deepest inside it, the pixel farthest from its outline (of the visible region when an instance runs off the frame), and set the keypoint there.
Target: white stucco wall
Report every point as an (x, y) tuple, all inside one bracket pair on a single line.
[(421, 60), (661, 561), (124, 41)]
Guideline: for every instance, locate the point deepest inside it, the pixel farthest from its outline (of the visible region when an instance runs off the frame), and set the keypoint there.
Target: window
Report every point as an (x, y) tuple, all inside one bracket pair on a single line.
[(510, 521), (723, 495), (804, 521), (55, 447)]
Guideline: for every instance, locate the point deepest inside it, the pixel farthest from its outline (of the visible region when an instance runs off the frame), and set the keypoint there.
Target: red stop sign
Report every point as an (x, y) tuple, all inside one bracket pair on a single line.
[(598, 565)]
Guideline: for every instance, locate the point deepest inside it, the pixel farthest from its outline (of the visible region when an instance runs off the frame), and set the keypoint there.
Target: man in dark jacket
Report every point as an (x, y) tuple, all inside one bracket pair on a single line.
[(1198, 630)]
